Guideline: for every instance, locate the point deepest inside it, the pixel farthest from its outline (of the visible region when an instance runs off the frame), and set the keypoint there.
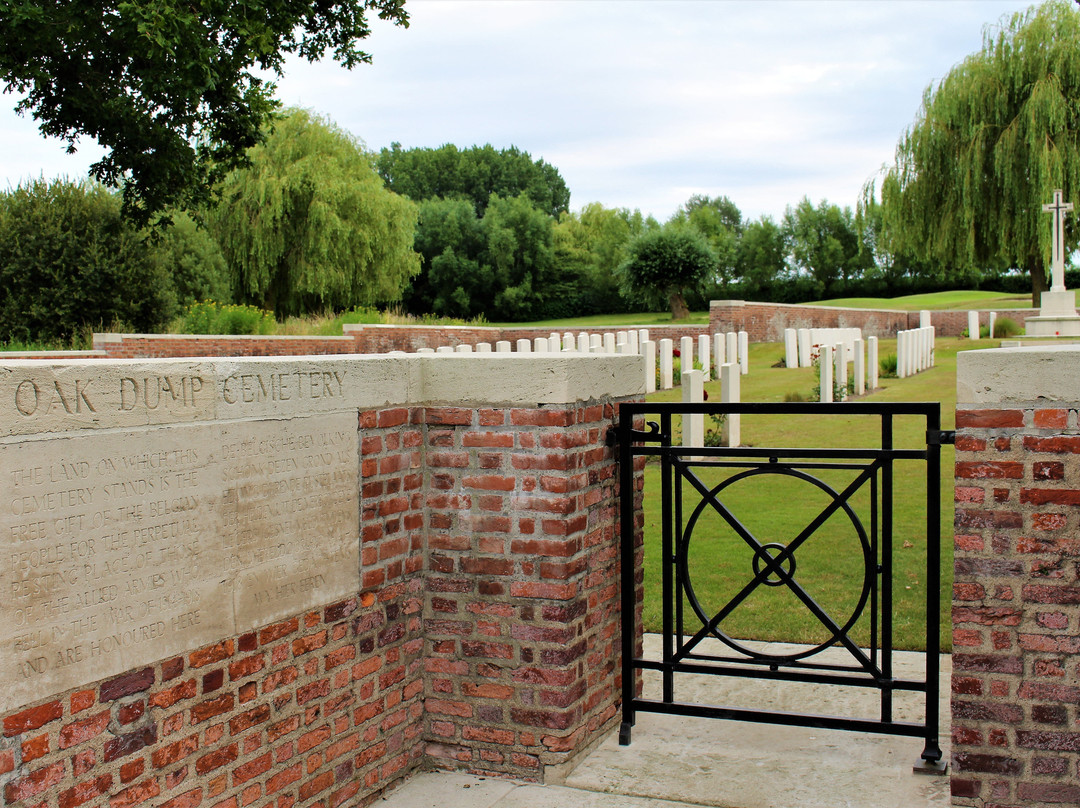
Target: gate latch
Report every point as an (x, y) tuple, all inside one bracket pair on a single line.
[(940, 437)]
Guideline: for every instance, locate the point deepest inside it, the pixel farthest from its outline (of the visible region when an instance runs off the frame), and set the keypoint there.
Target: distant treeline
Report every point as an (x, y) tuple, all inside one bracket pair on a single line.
[(317, 223)]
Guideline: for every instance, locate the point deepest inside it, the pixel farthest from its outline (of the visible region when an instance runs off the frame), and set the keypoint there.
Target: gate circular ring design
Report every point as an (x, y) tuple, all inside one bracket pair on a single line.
[(683, 571), (784, 575)]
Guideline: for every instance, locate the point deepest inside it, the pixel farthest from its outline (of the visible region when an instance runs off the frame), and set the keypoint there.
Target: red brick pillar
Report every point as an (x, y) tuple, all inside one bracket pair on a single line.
[(1016, 601), (521, 617)]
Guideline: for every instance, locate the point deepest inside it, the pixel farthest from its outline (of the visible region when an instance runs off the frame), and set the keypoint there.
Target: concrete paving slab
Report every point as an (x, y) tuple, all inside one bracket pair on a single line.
[(676, 761), (447, 790)]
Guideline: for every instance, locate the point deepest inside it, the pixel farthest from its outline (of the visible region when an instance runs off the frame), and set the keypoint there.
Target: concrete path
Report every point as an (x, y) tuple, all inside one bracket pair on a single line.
[(675, 762)]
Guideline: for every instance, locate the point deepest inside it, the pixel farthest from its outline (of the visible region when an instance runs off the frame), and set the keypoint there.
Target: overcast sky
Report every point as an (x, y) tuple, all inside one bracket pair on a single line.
[(638, 103)]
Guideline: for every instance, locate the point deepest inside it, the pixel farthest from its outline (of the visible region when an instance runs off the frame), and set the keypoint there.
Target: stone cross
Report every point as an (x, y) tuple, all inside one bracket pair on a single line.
[(1057, 266)]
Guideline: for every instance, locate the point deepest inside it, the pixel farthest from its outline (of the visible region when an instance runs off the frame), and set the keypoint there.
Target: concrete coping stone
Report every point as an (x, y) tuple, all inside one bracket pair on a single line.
[(49, 396), (1030, 373)]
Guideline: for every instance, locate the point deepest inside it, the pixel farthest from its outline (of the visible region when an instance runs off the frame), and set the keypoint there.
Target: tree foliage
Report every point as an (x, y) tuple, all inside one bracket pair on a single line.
[(69, 260), (824, 244), (308, 225), (474, 174), (665, 263), (992, 141), (720, 221), (169, 88)]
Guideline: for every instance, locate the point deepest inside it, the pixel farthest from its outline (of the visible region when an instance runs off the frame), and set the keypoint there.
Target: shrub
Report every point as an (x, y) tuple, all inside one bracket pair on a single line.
[(69, 261), (1005, 328), (888, 365), (211, 317)]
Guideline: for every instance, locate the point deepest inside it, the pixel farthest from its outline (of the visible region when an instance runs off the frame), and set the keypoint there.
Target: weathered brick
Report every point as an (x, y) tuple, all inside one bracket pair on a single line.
[(126, 685), (32, 718), (85, 791)]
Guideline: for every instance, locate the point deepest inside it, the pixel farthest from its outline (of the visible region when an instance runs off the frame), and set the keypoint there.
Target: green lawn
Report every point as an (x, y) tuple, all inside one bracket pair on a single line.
[(830, 563), (953, 299), (608, 320)]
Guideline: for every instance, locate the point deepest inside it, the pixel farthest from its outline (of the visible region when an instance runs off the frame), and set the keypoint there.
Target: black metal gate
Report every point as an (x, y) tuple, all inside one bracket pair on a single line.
[(856, 485)]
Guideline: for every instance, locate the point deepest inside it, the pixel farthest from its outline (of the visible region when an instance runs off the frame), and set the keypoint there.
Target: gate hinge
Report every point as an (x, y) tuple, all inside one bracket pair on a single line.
[(940, 437), (651, 434)]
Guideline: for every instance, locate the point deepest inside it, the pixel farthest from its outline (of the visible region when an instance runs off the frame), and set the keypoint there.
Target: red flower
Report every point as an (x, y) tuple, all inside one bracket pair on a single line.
[(675, 352), (705, 393)]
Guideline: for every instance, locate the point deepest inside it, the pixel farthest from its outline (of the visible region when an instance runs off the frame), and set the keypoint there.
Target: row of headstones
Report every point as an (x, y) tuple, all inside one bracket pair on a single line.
[(713, 352), (973, 324), (914, 351), (800, 344), (834, 367)]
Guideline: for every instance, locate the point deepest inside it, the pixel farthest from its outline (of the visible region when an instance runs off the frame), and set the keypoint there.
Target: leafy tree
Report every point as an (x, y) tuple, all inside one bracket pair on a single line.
[(169, 88), (308, 225), (823, 243), (450, 239), (589, 247), (475, 174), (189, 254), (520, 253), (992, 141), (760, 261), (663, 264), (69, 260), (720, 221)]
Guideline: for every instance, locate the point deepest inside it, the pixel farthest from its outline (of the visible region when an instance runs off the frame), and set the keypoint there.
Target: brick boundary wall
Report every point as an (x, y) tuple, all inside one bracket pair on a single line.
[(484, 637), (1016, 598), (362, 339), (765, 322)]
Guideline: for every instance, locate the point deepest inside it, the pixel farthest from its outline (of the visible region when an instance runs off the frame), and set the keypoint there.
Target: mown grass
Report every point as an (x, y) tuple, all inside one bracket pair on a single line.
[(608, 320), (933, 301), (830, 562)]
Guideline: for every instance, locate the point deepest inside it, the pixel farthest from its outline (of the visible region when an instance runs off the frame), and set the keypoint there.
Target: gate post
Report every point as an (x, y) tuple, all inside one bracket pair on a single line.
[(1016, 597)]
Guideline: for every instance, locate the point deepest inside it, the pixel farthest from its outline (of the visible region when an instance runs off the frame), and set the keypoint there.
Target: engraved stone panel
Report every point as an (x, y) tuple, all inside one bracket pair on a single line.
[(125, 547)]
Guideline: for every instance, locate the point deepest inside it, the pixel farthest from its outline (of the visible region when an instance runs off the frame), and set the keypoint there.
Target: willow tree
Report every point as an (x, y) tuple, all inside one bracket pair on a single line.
[(309, 225), (991, 142)]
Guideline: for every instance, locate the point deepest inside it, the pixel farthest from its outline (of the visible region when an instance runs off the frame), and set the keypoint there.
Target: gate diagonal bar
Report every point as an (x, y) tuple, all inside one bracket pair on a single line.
[(698, 487)]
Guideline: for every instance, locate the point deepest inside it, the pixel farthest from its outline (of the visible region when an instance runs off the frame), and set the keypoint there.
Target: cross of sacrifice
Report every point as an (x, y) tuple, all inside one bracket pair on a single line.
[(1057, 266)]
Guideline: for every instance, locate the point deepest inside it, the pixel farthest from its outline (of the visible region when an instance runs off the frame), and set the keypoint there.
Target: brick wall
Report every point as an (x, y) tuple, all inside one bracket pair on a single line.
[(1016, 607), (161, 346), (765, 322), (364, 339), (484, 637)]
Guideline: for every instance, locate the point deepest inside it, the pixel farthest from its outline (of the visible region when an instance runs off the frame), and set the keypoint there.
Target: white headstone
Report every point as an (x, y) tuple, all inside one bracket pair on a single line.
[(859, 368), (719, 343), (540, 345), (803, 337), (840, 361), (731, 347), (686, 353), (872, 362), (826, 367), (791, 348), (483, 347), (731, 432), (744, 353), (703, 356), (425, 350), (667, 356), (583, 342), (609, 342), (924, 319), (632, 341), (524, 346), (649, 351), (463, 349), (444, 349), (596, 343), (973, 325), (993, 318), (568, 343), (693, 424)]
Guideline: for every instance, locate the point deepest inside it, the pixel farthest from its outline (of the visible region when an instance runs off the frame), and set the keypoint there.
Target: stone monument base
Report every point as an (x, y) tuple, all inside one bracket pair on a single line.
[(1057, 316)]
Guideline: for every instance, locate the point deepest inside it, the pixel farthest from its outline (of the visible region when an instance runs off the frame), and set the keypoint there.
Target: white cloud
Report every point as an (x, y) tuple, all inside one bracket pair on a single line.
[(640, 104)]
